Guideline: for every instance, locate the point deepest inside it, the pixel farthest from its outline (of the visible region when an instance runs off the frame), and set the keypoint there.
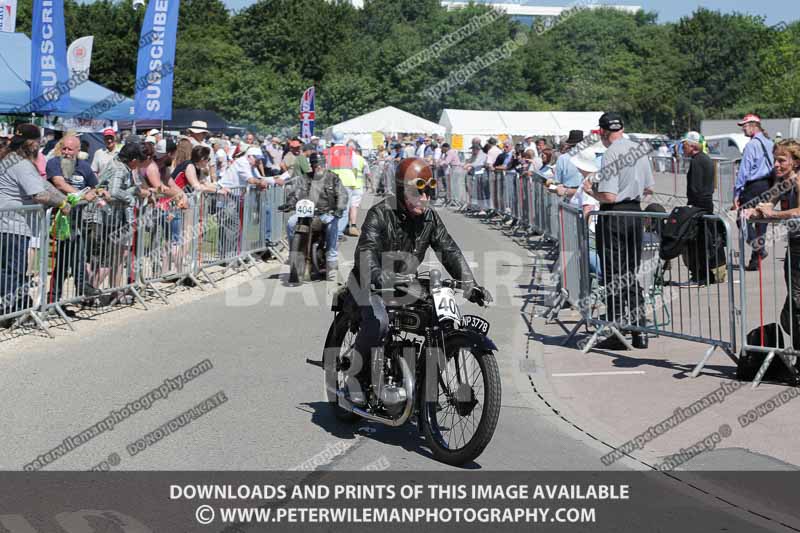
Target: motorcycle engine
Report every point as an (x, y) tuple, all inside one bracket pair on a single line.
[(393, 395)]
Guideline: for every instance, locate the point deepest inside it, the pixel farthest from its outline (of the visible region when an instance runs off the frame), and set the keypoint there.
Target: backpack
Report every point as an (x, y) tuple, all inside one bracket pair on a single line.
[(678, 229), (750, 361)]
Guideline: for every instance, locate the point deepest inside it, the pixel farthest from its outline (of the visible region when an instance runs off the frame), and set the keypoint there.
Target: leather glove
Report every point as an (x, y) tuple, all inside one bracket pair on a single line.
[(478, 295)]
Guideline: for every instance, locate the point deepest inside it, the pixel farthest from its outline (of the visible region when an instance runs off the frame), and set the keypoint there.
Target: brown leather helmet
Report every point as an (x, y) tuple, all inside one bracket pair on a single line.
[(408, 170)]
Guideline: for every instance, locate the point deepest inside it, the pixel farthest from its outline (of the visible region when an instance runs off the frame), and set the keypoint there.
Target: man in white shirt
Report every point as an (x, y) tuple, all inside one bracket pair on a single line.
[(493, 153), (104, 156)]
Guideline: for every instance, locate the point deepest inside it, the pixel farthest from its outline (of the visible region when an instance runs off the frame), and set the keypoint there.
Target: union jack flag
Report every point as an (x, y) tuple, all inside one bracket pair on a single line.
[(307, 116)]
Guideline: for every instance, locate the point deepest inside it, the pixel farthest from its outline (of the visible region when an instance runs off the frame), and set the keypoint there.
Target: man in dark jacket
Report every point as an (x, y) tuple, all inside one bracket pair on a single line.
[(395, 236), (699, 193), (325, 189)]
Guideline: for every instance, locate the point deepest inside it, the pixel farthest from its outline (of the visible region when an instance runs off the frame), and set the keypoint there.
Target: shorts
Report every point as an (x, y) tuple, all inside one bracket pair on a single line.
[(355, 197)]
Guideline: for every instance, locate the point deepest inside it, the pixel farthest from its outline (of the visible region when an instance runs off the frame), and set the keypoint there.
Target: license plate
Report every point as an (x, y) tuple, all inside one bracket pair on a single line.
[(304, 208), (475, 323), (444, 300)]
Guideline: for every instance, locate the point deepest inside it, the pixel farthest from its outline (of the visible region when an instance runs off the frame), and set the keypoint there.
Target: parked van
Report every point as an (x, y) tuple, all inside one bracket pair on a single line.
[(729, 146)]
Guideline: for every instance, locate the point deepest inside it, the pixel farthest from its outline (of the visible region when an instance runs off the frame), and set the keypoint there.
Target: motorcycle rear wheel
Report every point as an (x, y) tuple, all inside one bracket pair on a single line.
[(468, 387), (339, 345), (297, 257)]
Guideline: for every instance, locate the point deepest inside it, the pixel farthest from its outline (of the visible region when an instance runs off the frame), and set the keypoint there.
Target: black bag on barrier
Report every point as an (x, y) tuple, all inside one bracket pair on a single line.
[(750, 361), (679, 228)]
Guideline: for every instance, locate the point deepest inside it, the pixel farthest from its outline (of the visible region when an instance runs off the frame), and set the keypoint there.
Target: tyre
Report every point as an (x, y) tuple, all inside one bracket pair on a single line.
[(318, 258), (459, 422), (297, 257), (339, 346)]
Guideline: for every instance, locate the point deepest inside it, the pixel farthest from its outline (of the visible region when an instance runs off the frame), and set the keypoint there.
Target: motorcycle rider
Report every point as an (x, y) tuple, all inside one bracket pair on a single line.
[(325, 189), (395, 236)]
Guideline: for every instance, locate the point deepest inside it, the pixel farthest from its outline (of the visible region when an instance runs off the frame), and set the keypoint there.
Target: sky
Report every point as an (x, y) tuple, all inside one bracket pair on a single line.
[(776, 11)]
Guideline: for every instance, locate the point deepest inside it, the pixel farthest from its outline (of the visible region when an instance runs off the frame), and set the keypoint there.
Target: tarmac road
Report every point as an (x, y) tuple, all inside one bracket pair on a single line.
[(274, 415)]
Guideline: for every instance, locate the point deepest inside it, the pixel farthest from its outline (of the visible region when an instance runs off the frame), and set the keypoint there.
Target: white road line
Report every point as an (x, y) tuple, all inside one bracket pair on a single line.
[(582, 374)]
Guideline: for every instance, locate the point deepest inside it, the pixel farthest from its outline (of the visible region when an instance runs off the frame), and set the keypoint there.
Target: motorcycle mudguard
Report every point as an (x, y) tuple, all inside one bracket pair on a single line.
[(472, 337)]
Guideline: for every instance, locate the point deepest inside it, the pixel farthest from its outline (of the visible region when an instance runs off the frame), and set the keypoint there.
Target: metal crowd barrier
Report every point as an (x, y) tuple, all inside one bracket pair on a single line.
[(92, 256), (574, 283), (690, 297), (725, 172), (108, 251), (23, 264), (617, 282), (167, 244), (456, 186), (776, 289)]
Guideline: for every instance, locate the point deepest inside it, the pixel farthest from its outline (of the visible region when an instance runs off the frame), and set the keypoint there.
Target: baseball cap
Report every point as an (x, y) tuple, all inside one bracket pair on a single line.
[(255, 151), (750, 117), (309, 146), (611, 122), (153, 132), (109, 132), (693, 137)]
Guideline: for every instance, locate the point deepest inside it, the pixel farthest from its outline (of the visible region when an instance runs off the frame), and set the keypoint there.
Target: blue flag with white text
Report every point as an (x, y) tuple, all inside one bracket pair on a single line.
[(50, 83), (155, 66)]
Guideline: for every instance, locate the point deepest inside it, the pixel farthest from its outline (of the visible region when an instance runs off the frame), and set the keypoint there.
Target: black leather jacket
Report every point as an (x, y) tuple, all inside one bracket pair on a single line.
[(394, 242), (325, 190)]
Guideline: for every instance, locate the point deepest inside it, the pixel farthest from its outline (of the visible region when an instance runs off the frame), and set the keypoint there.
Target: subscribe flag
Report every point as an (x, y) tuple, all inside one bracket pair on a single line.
[(307, 116), (156, 62), (49, 71)]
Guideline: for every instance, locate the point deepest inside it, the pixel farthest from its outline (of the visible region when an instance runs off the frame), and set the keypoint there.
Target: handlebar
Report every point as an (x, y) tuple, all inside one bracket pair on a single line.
[(404, 280)]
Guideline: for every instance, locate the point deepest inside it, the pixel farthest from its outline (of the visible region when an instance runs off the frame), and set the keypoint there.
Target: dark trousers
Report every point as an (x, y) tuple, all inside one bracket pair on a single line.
[(698, 252), (752, 194), (371, 333), (13, 264), (790, 314), (70, 260), (619, 242)]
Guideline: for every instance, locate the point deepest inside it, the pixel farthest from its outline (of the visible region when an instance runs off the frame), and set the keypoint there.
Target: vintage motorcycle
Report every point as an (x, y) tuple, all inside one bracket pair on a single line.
[(437, 364), (307, 249)]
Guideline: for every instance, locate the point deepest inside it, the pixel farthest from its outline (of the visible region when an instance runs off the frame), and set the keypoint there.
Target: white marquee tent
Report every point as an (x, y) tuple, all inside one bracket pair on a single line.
[(386, 120), (485, 124)]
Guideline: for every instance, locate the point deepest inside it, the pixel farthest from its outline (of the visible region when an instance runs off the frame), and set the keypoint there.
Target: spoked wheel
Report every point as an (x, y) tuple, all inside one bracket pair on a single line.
[(297, 257), (318, 258), (338, 358), (459, 421)]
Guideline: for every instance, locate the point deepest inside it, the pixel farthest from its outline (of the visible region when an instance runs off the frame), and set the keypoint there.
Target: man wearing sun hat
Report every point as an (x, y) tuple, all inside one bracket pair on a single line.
[(753, 180)]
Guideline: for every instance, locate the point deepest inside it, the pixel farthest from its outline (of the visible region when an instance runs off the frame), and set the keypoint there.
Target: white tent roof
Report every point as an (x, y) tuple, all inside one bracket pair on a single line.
[(388, 119), (544, 123)]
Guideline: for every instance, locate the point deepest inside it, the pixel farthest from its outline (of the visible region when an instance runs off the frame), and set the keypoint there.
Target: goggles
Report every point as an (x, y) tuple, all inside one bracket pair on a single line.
[(421, 185)]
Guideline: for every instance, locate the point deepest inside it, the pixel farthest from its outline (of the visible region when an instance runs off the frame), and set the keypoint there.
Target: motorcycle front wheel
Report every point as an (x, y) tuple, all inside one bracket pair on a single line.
[(459, 420), (297, 257), (337, 359)]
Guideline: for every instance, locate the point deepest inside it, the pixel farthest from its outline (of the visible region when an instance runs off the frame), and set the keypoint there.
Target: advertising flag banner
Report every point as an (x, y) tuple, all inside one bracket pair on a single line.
[(307, 116), (155, 66), (8, 15), (79, 55), (49, 71)]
